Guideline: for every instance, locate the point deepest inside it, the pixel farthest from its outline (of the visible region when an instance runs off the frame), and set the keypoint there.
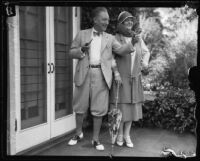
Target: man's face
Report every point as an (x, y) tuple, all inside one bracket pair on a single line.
[(101, 21)]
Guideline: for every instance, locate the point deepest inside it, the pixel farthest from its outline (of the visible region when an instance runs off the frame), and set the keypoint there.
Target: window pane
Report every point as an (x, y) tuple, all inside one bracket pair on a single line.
[(63, 63), (32, 63)]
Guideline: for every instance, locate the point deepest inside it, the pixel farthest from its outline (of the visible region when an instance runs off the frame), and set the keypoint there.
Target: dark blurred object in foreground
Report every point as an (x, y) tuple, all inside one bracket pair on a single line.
[(194, 78)]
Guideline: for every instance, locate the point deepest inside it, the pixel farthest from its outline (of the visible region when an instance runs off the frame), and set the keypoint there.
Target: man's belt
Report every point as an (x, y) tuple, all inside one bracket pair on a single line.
[(95, 66)]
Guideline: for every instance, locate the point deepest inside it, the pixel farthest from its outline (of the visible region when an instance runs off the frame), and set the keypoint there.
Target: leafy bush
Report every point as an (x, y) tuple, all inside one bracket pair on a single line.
[(173, 108)]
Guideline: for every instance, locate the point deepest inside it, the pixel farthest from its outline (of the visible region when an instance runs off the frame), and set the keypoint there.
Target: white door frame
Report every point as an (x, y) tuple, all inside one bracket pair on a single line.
[(39, 133), (14, 91), (13, 77)]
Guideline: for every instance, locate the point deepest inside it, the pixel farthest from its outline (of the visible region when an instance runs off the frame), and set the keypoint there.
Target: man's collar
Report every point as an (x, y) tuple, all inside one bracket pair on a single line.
[(93, 30)]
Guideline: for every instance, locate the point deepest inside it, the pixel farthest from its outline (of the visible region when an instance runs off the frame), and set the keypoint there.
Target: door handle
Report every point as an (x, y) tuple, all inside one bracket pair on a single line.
[(49, 68), (53, 67)]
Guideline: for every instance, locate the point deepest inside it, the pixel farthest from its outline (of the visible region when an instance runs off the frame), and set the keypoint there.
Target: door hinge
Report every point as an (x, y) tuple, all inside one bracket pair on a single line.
[(76, 11), (15, 124)]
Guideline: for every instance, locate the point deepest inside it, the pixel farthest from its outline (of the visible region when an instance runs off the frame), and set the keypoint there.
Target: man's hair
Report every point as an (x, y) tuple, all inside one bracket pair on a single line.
[(97, 10)]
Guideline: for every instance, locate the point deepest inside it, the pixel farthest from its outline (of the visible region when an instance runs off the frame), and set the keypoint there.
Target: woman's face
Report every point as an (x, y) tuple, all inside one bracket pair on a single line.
[(128, 23)]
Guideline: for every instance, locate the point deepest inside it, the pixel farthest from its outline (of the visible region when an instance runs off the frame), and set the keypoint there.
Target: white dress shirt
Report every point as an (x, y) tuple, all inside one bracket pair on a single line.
[(95, 48)]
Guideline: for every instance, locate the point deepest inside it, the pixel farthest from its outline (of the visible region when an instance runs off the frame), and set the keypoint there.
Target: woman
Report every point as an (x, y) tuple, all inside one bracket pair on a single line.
[(131, 91)]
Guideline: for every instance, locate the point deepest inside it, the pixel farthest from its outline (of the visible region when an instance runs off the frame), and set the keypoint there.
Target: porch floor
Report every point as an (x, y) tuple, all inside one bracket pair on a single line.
[(148, 142)]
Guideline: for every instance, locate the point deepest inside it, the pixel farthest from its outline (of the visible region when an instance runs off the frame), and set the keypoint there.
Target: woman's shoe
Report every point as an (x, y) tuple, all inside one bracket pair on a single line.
[(120, 140), (128, 142)]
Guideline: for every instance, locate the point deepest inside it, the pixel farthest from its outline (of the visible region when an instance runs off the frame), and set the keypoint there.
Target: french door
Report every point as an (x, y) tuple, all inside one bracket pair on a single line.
[(46, 74)]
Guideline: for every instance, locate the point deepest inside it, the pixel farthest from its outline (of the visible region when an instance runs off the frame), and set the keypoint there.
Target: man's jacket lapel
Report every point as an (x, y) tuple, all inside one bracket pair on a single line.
[(88, 35)]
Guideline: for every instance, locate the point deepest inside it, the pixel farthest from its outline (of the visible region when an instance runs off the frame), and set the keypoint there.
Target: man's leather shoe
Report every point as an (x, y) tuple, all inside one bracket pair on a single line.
[(97, 145), (74, 140)]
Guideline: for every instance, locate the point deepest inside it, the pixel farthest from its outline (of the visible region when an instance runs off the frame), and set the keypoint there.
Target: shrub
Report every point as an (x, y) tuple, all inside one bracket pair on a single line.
[(173, 108)]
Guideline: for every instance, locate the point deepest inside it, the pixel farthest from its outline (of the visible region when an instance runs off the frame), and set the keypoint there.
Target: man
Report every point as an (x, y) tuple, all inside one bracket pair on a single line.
[(93, 76)]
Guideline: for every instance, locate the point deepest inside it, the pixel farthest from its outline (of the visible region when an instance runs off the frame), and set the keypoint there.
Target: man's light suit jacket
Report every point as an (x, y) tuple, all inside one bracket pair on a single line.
[(108, 45)]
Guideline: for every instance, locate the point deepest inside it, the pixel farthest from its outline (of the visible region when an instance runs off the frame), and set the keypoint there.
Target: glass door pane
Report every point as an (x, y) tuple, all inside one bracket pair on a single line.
[(63, 63), (33, 62)]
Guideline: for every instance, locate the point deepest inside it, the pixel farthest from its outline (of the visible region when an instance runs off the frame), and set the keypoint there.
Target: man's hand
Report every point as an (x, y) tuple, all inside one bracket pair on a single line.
[(85, 49), (82, 55)]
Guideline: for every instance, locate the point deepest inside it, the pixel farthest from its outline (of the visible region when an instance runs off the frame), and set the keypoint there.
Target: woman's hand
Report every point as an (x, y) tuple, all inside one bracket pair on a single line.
[(118, 78), (136, 36)]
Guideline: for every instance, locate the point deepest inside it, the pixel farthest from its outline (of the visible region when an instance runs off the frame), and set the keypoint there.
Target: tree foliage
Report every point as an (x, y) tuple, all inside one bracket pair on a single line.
[(172, 109), (173, 47)]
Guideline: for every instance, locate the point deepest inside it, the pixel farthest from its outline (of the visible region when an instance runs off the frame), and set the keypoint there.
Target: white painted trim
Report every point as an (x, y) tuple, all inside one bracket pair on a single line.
[(33, 127), (52, 75), (13, 76), (63, 125), (64, 117), (35, 137), (32, 136), (48, 60)]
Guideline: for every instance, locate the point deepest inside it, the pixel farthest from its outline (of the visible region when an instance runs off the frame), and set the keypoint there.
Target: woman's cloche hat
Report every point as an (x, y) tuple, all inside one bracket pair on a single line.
[(123, 16)]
